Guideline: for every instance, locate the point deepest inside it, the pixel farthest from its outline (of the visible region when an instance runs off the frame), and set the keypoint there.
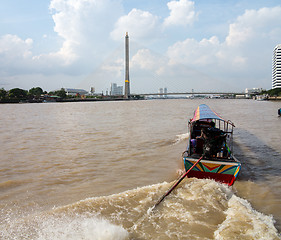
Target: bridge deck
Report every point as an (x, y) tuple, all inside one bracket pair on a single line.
[(191, 93)]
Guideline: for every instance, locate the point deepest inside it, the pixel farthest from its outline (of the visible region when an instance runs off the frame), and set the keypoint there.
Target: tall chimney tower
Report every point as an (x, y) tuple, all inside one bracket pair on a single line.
[(127, 79)]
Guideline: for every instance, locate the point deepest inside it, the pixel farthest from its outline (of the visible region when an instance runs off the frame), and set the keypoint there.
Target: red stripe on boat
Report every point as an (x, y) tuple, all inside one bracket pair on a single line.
[(223, 178)]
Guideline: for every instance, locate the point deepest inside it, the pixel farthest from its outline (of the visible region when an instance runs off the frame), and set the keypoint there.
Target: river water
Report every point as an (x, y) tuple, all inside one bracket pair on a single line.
[(93, 170)]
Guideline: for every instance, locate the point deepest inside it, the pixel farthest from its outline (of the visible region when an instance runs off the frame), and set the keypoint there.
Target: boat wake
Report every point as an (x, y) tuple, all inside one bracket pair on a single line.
[(196, 209), (80, 227), (249, 221), (181, 137)]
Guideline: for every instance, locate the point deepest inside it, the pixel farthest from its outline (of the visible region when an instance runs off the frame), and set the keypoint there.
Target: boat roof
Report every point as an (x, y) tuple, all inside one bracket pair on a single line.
[(203, 112)]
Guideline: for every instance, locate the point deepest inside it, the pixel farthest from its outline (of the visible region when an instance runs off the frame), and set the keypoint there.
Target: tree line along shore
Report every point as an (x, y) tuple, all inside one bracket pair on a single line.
[(37, 95)]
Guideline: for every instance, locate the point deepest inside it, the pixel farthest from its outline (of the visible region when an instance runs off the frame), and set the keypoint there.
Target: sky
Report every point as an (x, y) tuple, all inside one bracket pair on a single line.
[(214, 45)]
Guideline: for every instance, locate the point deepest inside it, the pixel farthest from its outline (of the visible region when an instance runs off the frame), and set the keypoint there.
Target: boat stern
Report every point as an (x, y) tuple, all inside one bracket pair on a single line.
[(220, 171)]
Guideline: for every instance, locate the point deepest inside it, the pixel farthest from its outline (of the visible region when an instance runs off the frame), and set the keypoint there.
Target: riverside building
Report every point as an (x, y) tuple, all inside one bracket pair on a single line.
[(115, 89), (252, 91), (276, 67), (74, 91)]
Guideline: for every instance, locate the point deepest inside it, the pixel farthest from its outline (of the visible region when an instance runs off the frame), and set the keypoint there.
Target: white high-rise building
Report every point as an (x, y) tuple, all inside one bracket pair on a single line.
[(160, 91), (165, 91), (276, 67), (115, 89)]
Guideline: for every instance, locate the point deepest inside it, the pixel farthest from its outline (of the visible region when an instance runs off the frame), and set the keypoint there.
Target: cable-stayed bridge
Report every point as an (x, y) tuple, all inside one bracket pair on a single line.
[(189, 93), (145, 77)]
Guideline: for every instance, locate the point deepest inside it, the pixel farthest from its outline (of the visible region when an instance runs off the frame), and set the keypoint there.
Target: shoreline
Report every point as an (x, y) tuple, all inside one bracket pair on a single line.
[(108, 99)]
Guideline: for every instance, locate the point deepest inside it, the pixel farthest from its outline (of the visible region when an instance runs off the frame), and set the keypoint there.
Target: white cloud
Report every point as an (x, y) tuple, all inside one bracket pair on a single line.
[(83, 26), (192, 52), (246, 51), (80, 27), (115, 67), (15, 54), (182, 12), (144, 59), (140, 24), (11, 47), (145, 26), (255, 25)]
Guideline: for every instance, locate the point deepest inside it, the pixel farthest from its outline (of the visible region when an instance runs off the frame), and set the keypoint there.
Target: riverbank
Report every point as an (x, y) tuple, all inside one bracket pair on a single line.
[(12, 101), (108, 98), (274, 98)]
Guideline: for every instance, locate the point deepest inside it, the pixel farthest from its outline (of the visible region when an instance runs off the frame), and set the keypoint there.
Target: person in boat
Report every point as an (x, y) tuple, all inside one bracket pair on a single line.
[(198, 136), (213, 130), (213, 138)]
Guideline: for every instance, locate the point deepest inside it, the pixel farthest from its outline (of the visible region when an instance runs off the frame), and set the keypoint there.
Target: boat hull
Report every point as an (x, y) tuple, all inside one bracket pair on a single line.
[(220, 171)]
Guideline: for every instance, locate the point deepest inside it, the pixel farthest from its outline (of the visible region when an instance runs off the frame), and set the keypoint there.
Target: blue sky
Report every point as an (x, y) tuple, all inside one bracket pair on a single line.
[(180, 44)]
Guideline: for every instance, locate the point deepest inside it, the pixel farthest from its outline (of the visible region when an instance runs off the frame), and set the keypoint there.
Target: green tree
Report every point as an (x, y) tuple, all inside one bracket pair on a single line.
[(273, 92), (61, 93), (36, 92), (3, 94), (17, 93)]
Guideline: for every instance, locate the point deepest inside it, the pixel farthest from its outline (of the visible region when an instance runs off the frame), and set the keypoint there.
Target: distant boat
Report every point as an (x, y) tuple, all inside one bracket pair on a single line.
[(261, 97), (211, 137)]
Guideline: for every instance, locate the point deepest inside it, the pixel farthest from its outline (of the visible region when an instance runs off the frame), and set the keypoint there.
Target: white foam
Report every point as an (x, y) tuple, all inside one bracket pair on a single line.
[(197, 209), (181, 137), (244, 222), (80, 228)]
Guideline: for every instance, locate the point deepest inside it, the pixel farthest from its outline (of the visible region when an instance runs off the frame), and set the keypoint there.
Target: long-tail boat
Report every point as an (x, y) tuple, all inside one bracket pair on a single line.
[(211, 139)]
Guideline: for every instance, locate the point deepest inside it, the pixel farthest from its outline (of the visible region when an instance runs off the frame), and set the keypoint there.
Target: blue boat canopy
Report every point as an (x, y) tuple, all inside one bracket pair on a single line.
[(204, 112)]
